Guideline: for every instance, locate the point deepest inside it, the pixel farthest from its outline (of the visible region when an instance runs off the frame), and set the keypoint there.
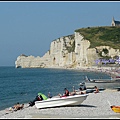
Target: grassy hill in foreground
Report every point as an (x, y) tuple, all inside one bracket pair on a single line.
[(102, 36)]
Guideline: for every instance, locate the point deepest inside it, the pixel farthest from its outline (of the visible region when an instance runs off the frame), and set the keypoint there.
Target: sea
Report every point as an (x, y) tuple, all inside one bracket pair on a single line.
[(23, 84)]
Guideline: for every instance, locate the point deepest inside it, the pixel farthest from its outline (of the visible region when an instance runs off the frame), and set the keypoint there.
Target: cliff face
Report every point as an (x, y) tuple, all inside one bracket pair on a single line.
[(66, 52)]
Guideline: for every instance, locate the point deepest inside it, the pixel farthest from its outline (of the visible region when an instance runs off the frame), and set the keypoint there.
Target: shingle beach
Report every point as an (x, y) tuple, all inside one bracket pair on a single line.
[(95, 106)]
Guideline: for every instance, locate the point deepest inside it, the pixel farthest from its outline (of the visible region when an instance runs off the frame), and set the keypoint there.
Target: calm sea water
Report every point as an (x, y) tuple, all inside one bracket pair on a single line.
[(22, 85)]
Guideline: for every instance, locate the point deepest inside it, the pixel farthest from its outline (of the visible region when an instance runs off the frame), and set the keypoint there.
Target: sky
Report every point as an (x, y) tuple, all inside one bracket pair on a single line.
[(29, 27)]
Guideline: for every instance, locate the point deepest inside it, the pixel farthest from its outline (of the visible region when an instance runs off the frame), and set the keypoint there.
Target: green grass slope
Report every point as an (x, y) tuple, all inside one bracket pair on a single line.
[(102, 36)]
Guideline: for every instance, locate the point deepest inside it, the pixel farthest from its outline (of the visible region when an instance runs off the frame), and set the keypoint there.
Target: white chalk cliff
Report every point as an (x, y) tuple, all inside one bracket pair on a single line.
[(70, 51)]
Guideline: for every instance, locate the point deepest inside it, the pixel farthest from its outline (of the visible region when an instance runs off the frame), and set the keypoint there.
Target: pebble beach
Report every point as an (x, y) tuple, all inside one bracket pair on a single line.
[(95, 106)]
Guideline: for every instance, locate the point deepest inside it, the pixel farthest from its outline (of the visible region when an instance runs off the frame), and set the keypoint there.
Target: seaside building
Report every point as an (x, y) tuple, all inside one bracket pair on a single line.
[(115, 23)]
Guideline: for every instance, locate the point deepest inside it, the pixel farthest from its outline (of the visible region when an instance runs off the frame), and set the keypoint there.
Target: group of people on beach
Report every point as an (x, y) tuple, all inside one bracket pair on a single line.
[(16, 107), (40, 98), (77, 92), (65, 94)]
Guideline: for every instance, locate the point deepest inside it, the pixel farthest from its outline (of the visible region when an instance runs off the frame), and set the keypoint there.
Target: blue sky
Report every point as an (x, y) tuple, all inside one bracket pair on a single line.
[(30, 27)]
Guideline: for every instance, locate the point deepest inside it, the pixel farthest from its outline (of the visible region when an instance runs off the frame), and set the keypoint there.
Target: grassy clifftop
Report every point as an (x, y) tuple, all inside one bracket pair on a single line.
[(102, 36)]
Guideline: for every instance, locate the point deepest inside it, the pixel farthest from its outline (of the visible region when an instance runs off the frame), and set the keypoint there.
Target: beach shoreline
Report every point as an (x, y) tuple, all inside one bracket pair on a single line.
[(95, 106), (111, 71)]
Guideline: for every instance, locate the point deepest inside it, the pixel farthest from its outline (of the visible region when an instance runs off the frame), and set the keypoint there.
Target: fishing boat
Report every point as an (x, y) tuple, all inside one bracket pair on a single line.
[(61, 101), (102, 83), (115, 108)]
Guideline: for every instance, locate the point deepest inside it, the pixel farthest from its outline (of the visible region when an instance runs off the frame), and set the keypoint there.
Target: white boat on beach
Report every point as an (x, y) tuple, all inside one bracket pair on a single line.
[(103, 83), (61, 101)]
